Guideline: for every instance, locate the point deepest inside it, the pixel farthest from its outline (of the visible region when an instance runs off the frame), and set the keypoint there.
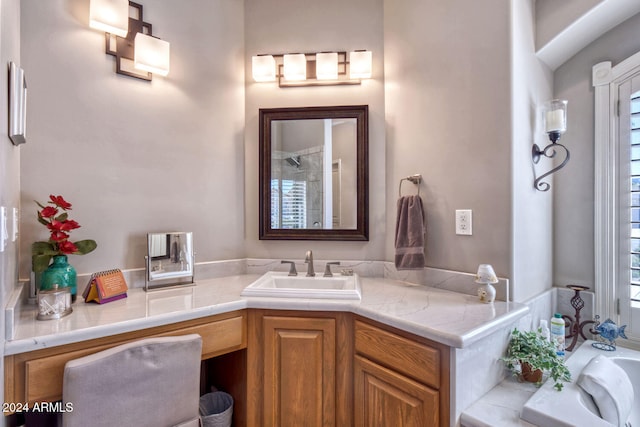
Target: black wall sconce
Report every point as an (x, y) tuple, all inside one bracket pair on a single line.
[(554, 116), (127, 37)]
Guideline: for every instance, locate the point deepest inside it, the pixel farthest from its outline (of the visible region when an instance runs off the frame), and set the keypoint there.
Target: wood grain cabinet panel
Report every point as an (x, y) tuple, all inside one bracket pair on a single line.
[(409, 357), (299, 371), (37, 376), (384, 398), (399, 379)]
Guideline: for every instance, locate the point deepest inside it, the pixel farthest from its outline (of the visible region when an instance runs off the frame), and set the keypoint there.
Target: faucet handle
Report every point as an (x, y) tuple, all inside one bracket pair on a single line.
[(327, 268), (292, 267)]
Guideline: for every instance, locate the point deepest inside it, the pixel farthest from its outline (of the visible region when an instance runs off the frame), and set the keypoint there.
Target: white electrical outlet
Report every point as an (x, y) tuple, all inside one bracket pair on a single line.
[(4, 235), (464, 222), (16, 224)]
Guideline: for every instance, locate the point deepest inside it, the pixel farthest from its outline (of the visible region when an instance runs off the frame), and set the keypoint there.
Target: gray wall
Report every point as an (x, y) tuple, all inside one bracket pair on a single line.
[(134, 156), (162, 155), (451, 98), (553, 16), (9, 159), (447, 104), (574, 195), (286, 26), (531, 210)]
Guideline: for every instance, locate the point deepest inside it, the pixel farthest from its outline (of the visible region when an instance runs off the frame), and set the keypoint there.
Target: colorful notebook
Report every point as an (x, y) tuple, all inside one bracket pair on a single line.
[(105, 286)]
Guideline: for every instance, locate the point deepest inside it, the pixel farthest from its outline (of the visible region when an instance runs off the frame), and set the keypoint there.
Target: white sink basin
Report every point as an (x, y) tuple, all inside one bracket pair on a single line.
[(278, 284)]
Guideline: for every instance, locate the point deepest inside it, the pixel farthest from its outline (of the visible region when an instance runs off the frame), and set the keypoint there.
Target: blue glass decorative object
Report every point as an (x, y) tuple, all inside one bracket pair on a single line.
[(609, 331)]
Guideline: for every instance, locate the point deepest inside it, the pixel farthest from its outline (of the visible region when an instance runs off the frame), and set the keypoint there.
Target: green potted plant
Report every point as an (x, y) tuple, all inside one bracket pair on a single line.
[(529, 352)]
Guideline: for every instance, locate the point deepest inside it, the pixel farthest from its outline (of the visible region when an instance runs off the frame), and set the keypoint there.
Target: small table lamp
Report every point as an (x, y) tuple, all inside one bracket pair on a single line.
[(485, 277)]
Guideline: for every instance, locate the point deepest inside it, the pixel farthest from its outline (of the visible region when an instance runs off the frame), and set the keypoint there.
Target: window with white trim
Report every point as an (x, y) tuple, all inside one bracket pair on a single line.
[(288, 204), (617, 193), (634, 140)]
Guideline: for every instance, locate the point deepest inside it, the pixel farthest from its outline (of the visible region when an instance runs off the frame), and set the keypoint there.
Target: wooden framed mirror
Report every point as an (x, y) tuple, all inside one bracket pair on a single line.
[(314, 173)]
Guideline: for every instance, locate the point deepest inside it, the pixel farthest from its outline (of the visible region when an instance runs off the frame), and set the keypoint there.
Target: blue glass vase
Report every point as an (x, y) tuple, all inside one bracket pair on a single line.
[(60, 273)]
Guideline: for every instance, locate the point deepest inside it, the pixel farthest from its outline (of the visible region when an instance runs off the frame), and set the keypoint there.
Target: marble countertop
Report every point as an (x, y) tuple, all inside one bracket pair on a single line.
[(501, 406), (454, 319)]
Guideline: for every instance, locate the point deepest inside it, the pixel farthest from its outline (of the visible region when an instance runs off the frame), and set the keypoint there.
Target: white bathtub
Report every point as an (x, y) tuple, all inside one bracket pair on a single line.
[(573, 407)]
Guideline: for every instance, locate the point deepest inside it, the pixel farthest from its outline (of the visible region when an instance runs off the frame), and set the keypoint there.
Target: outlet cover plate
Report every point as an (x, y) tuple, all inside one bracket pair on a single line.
[(464, 222)]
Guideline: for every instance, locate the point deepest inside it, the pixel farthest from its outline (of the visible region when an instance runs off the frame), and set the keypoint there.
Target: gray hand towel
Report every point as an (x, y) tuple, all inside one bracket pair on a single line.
[(410, 234)]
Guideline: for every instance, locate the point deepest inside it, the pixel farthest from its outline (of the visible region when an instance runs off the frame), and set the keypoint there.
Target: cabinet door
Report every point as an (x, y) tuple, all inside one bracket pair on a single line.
[(299, 371), (384, 398)]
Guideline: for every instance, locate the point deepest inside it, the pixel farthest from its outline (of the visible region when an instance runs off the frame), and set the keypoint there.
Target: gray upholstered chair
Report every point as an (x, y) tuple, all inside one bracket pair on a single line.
[(151, 382)]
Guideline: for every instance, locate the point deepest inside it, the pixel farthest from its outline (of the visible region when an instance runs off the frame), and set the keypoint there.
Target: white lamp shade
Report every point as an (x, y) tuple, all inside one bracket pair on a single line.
[(111, 16), (295, 67), (151, 54), (327, 66), (360, 64), (263, 68), (486, 274)]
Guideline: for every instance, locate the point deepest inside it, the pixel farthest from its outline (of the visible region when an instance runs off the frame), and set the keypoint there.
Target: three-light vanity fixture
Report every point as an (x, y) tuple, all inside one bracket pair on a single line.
[(554, 116), (313, 69), (138, 53)]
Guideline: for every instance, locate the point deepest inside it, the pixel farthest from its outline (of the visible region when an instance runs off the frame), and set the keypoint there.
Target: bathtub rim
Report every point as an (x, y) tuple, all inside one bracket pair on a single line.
[(548, 407)]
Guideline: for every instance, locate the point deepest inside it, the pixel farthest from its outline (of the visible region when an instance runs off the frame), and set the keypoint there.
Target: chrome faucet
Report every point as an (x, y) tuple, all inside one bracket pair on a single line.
[(292, 267), (308, 259), (327, 268)]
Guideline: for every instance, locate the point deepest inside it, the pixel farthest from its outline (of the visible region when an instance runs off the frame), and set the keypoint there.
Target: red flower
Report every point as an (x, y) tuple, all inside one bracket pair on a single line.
[(54, 225), (69, 225), (53, 215), (59, 236), (67, 247), (60, 202), (48, 212)]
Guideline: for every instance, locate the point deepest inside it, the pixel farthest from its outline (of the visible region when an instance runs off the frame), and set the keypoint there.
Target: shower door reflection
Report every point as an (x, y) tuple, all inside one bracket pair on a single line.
[(307, 174)]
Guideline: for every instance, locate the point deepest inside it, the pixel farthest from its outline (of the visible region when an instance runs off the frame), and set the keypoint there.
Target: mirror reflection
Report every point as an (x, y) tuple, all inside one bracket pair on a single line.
[(169, 257), (313, 173)]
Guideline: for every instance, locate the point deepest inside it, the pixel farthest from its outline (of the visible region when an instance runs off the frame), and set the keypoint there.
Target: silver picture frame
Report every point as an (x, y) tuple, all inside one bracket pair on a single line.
[(17, 105)]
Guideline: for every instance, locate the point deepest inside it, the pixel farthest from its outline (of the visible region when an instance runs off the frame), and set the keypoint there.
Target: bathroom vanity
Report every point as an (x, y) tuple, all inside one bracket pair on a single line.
[(285, 361), (36, 376), (302, 376)]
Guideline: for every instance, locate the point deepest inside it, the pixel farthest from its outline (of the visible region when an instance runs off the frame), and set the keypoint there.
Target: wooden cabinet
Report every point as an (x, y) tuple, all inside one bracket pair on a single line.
[(296, 369), (399, 380), (385, 398), (36, 376)]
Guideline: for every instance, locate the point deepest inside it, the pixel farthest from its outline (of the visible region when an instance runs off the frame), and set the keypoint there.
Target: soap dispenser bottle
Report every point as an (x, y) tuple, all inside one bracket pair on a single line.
[(557, 333), (544, 329)]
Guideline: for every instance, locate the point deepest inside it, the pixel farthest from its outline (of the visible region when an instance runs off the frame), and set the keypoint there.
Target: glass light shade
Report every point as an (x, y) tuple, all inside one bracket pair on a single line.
[(295, 67), (151, 54), (263, 68), (111, 16), (360, 64), (327, 66), (486, 274), (555, 116)]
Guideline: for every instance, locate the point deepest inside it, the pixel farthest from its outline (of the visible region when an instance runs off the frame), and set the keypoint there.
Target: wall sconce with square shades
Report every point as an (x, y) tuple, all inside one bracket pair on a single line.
[(313, 69), (554, 117), (138, 53)]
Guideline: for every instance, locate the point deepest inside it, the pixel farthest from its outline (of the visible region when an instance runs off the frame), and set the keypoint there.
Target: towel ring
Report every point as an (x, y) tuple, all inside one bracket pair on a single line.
[(416, 179)]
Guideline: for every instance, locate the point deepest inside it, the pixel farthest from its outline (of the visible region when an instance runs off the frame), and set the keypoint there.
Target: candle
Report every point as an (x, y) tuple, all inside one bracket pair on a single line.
[(555, 121)]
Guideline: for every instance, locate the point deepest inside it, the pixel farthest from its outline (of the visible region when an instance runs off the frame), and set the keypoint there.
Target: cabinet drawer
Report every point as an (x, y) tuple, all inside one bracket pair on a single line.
[(218, 337), (413, 359), (43, 375)]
